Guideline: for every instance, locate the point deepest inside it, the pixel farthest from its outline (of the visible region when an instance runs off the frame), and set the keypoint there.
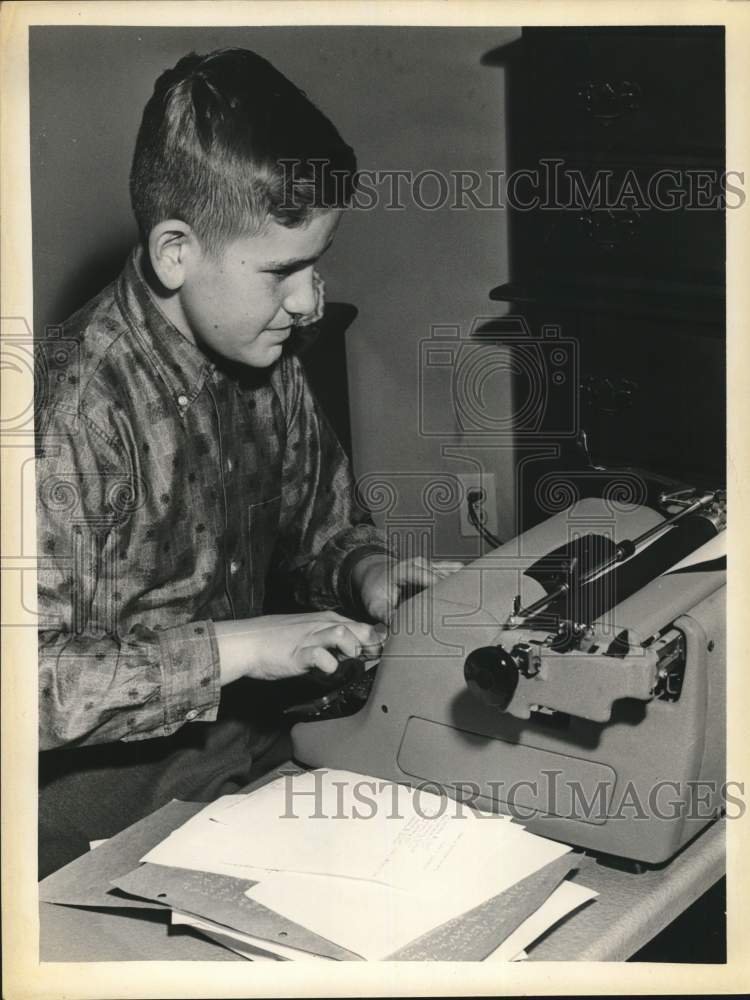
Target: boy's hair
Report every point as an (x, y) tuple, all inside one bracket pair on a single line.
[(226, 142)]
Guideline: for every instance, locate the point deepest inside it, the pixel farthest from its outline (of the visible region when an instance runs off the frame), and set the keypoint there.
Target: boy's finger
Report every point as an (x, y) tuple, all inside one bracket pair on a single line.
[(340, 637), (382, 607), (446, 567), (318, 658), (370, 637), (416, 572)]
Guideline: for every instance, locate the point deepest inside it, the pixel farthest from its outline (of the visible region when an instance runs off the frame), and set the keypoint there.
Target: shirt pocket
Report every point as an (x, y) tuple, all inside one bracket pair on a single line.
[(263, 532)]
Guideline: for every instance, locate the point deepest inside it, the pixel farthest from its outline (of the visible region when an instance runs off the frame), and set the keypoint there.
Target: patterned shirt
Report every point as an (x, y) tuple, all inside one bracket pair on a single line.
[(171, 487)]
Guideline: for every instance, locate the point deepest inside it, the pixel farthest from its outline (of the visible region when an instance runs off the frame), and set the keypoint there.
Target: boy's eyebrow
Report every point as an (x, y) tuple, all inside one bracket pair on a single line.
[(295, 262)]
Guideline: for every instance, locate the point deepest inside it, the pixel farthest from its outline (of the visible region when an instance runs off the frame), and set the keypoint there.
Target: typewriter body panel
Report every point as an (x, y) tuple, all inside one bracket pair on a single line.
[(610, 737)]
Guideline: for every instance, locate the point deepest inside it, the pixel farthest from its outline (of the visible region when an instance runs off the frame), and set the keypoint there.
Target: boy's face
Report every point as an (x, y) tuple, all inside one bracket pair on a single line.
[(243, 302)]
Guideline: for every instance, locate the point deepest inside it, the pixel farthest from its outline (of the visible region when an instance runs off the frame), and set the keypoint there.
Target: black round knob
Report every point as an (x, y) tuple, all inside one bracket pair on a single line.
[(491, 675)]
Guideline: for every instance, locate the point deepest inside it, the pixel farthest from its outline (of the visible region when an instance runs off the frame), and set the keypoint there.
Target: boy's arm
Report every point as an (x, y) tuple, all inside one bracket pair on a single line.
[(325, 533), (98, 682)]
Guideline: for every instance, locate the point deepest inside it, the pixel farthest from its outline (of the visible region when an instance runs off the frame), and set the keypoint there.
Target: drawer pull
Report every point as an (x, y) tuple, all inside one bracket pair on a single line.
[(608, 229), (606, 102), (608, 394)]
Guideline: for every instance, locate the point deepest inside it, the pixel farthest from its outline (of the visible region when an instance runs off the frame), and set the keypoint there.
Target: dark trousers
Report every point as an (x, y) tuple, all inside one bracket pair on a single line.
[(90, 793)]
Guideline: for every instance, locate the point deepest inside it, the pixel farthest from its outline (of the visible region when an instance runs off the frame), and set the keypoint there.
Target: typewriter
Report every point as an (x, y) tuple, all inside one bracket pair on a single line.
[(573, 677)]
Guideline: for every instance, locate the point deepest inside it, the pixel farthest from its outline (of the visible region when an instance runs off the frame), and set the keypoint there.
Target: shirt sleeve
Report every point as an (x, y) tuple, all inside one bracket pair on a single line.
[(99, 683), (325, 531)]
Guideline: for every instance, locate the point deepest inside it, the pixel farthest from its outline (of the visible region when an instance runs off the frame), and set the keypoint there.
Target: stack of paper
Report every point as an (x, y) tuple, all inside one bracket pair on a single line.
[(253, 948), (376, 868)]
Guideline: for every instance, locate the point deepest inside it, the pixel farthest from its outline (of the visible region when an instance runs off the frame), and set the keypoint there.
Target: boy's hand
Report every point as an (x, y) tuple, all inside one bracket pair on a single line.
[(380, 581), (272, 647)]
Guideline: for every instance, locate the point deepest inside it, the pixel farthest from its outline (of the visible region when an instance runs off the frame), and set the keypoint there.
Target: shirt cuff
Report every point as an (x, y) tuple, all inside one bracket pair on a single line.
[(191, 686), (349, 597)]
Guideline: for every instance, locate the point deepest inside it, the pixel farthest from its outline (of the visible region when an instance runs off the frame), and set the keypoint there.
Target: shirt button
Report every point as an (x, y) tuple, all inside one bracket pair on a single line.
[(192, 714), (233, 566), (182, 400)]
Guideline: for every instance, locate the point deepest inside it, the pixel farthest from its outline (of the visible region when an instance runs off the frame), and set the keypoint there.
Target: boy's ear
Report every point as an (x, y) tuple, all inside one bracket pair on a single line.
[(171, 246)]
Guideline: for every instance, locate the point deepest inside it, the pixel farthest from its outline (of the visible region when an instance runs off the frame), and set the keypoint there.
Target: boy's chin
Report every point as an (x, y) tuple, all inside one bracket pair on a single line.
[(261, 356)]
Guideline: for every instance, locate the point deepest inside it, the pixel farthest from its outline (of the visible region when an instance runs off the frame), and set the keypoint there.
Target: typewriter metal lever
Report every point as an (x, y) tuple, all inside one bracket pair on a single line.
[(579, 681), (348, 689)]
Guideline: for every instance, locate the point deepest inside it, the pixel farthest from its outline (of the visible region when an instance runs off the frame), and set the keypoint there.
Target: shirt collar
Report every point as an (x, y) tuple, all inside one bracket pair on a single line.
[(183, 366)]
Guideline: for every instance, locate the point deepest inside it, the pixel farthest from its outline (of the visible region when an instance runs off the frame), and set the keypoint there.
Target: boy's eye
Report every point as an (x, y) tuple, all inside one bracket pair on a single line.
[(281, 274)]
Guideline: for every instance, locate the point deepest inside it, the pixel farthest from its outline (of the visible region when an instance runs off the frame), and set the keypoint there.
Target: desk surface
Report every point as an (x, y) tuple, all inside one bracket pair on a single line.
[(630, 910)]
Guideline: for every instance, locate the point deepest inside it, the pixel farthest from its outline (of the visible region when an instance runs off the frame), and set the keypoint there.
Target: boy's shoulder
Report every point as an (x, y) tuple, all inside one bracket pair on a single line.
[(86, 344), (88, 364)]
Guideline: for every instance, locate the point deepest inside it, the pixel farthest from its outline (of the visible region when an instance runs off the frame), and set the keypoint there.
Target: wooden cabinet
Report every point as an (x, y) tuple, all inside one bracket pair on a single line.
[(617, 237)]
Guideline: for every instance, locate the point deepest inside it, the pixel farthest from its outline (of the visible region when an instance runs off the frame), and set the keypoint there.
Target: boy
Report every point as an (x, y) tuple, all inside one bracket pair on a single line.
[(183, 461)]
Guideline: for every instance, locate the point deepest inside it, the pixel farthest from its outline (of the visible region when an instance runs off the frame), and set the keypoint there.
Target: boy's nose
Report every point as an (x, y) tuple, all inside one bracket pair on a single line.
[(301, 299)]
